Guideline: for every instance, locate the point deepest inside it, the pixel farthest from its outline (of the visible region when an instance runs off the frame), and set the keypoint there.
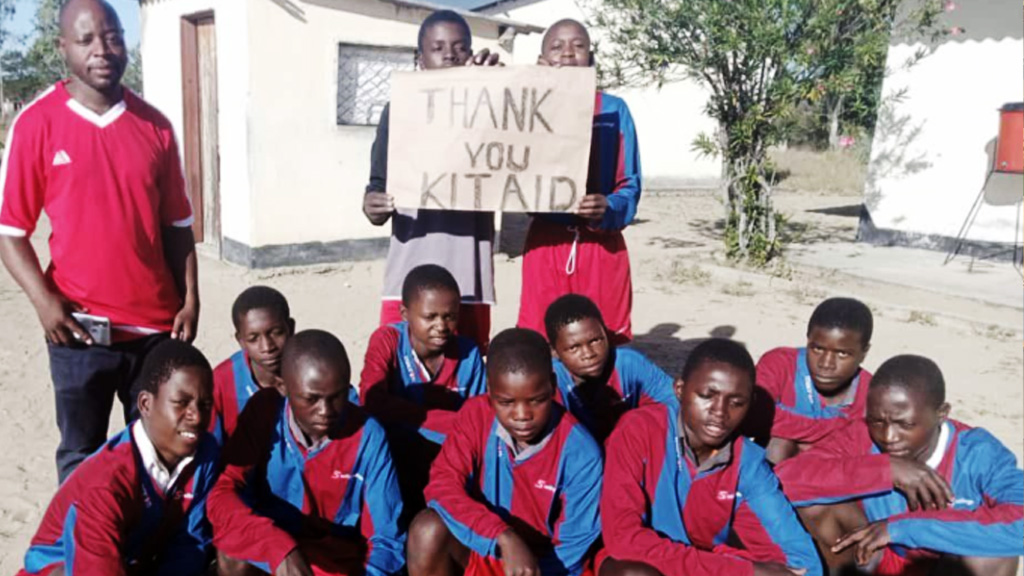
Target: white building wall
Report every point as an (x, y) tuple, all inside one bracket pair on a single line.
[(161, 70), (932, 150), (308, 173), (667, 120)]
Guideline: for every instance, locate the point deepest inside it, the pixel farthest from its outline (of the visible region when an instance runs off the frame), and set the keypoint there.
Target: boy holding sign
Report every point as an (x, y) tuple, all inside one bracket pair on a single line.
[(456, 240), (586, 253)]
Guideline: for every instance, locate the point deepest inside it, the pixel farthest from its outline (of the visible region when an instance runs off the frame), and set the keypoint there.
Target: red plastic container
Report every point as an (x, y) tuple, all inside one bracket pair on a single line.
[(1010, 153)]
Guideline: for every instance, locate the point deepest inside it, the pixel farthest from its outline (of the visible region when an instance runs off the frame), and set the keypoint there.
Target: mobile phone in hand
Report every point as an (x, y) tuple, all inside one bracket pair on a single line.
[(97, 326)]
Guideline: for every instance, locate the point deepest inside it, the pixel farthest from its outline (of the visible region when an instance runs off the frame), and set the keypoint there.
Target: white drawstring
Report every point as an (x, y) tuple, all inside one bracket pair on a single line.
[(570, 264)]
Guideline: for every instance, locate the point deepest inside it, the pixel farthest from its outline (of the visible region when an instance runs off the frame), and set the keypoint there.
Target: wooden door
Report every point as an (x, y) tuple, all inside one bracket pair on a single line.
[(202, 150)]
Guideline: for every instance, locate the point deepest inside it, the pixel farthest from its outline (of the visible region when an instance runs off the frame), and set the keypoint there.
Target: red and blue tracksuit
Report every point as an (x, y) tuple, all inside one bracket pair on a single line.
[(233, 385), (109, 518), (550, 498), (398, 391), (338, 503), (564, 254), (634, 381), (417, 409), (987, 515), (660, 509), (800, 413)]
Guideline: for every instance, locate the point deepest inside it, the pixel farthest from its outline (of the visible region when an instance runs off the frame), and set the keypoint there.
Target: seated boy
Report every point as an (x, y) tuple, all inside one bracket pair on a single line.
[(516, 486), (815, 389), (907, 490), (308, 486), (263, 324), (136, 506), (597, 381), (685, 495), (416, 375)]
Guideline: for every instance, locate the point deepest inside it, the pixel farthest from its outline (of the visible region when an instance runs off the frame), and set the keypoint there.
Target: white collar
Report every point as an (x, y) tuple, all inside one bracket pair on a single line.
[(101, 121), (940, 447), (162, 478)]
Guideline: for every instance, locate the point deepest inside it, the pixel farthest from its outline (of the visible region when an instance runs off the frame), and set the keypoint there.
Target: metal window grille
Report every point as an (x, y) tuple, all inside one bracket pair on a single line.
[(364, 81)]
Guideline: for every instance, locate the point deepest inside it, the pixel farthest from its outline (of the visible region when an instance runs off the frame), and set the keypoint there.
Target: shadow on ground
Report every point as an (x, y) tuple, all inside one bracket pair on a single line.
[(669, 352)]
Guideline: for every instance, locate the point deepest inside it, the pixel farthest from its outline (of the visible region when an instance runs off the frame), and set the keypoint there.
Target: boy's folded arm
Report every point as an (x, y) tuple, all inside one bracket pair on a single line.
[(994, 528), (767, 524), (93, 535), (469, 520), (238, 530), (623, 504), (835, 470), (656, 384), (580, 524), (382, 508), (791, 425)]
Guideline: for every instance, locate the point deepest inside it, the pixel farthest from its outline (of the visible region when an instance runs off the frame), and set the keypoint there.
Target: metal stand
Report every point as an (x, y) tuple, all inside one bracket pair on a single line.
[(969, 221)]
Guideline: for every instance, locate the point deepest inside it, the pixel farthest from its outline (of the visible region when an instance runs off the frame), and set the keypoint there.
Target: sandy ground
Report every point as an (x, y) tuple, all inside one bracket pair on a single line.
[(683, 292)]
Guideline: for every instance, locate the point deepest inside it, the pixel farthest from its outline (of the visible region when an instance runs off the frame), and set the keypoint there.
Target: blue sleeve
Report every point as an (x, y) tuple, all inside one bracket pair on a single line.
[(382, 505), (625, 196), (993, 527), (654, 382), (476, 376), (580, 491), (191, 548), (765, 520)]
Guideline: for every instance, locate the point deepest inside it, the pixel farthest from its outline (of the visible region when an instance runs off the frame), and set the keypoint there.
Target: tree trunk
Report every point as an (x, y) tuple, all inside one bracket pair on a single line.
[(833, 123)]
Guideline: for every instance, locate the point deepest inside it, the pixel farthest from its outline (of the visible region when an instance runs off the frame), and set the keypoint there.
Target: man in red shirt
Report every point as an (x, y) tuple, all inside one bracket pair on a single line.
[(105, 167)]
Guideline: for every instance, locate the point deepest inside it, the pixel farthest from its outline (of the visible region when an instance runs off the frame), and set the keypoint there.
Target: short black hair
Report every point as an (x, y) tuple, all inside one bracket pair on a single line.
[(427, 277), (259, 298), (317, 346), (448, 16), (559, 24), (163, 360), (518, 351), (566, 310), (845, 314), (719, 350), (914, 373)]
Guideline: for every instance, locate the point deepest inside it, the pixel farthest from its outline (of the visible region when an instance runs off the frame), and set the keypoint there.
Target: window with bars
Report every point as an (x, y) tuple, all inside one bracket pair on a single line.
[(364, 81)]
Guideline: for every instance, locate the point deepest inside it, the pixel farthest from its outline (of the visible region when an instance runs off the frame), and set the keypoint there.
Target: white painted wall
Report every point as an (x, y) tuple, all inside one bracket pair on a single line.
[(667, 120), (308, 173), (929, 157), (161, 70)]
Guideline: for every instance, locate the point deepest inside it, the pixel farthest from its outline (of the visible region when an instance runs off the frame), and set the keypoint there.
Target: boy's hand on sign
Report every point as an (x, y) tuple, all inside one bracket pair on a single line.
[(922, 486), (773, 569), (593, 207), (60, 327), (542, 61), (485, 58), (869, 540), (516, 555), (378, 207)]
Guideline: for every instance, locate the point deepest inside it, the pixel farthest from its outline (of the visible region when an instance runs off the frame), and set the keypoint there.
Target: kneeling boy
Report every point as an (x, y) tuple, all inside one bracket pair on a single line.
[(416, 375), (680, 484), (597, 381), (516, 487), (817, 388), (137, 505), (263, 324), (308, 486), (909, 491)]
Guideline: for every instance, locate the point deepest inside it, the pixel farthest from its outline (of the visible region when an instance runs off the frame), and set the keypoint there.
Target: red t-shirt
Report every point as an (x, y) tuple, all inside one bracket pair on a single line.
[(109, 183)]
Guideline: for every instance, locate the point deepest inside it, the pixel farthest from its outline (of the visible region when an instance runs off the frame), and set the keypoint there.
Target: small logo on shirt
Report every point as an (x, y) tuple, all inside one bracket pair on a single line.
[(963, 502), (339, 475), (61, 158), (724, 495), (542, 485)]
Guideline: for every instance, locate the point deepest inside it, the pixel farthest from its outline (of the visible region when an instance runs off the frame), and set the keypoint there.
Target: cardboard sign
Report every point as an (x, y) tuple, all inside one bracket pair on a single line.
[(511, 138)]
